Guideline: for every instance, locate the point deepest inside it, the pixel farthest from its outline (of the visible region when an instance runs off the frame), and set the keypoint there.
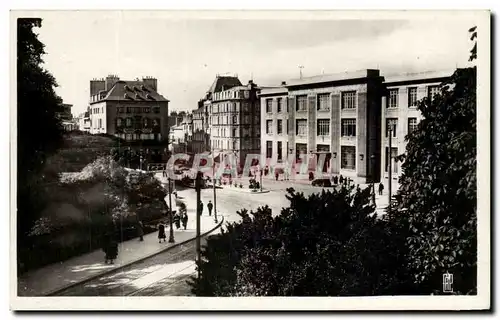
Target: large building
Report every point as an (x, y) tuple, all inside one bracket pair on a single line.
[(131, 110), (343, 116), (233, 118)]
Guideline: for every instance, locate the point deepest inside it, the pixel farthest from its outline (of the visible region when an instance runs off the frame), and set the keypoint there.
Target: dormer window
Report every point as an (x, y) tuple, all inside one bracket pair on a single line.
[(126, 87)]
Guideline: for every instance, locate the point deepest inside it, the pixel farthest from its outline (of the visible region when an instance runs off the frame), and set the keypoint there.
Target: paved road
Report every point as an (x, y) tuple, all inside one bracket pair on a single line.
[(164, 275)]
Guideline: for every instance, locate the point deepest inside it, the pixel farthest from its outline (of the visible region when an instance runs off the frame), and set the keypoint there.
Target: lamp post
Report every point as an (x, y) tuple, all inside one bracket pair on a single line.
[(372, 158), (171, 237), (390, 165), (213, 184), (261, 173)]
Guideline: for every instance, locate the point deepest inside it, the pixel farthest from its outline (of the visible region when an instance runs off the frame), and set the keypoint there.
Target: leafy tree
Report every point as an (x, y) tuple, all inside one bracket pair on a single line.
[(39, 131), (329, 244), (438, 187)]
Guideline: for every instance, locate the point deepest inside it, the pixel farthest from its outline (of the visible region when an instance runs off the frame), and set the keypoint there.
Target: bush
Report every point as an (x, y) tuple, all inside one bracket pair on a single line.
[(329, 244)]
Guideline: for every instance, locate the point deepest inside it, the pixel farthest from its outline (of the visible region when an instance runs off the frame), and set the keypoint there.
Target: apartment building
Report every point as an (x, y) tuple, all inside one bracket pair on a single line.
[(233, 114), (400, 113), (343, 118), (133, 111)]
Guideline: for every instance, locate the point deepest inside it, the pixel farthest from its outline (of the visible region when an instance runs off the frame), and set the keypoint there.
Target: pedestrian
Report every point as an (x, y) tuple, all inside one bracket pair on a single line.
[(380, 188), (140, 231), (177, 221), (341, 180), (201, 208), (110, 247), (210, 206), (161, 232), (184, 220), (276, 175), (335, 180)]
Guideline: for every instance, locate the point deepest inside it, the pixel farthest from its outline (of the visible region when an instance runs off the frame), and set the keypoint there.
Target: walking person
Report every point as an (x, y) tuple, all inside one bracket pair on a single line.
[(201, 208), (341, 180), (380, 188), (277, 175), (110, 247), (140, 231), (210, 207), (161, 233), (177, 221), (184, 219)]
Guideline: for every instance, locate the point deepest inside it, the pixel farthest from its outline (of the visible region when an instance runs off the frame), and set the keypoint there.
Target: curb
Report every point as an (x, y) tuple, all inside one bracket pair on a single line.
[(248, 191), (69, 286)]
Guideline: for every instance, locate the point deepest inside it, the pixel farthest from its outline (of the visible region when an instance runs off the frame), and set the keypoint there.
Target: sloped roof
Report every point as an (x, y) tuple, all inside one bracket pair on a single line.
[(132, 91), (226, 81)]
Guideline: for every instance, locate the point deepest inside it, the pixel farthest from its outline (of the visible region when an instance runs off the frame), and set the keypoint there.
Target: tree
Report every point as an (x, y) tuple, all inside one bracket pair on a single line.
[(438, 187), (329, 244), (39, 131)]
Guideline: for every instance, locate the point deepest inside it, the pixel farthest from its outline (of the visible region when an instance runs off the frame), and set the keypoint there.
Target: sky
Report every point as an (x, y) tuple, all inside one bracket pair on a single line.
[(186, 52)]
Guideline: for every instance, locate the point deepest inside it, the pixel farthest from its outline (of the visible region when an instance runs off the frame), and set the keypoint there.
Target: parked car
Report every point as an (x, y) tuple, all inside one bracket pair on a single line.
[(324, 182)]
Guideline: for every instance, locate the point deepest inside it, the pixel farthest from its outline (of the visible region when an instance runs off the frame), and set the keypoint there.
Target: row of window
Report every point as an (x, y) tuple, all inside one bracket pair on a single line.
[(97, 110), (225, 144), (412, 96), (137, 122), (347, 154), (138, 109), (216, 120), (230, 107), (348, 127), (227, 95), (139, 136)]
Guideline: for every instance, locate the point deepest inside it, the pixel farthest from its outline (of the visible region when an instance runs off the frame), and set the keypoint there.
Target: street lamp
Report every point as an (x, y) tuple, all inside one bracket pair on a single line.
[(171, 237), (372, 158), (390, 165), (213, 184), (261, 178)]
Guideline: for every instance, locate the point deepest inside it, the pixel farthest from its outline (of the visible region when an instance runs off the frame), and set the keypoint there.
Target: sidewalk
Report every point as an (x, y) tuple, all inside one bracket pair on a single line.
[(58, 276)]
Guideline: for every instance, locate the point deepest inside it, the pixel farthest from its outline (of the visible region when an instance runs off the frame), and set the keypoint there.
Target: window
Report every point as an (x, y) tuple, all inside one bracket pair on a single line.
[(348, 127), (393, 125), (269, 149), (269, 126), (324, 102), (301, 127), (348, 157), (119, 122), (280, 104), (412, 124), (393, 160), (234, 132), (433, 90), (146, 110), (120, 110), (235, 119), (301, 103), (128, 122), (349, 100), (269, 105), (235, 144), (323, 127), (280, 126), (393, 98), (100, 123), (280, 155), (412, 97)]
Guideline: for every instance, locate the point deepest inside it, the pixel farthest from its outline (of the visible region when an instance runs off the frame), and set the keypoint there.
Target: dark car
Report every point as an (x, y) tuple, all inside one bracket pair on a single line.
[(325, 182)]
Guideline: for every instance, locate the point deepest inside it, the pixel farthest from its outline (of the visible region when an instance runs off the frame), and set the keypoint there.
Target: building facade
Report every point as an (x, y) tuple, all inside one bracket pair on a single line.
[(200, 140), (343, 119), (131, 110), (234, 119), (400, 113)]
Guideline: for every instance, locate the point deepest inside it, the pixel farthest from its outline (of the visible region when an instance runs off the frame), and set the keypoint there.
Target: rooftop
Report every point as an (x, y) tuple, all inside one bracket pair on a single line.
[(418, 76), (136, 90), (223, 83), (333, 77)]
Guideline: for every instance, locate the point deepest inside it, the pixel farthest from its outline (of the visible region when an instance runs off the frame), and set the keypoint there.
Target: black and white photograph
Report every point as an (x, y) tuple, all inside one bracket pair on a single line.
[(275, 160)]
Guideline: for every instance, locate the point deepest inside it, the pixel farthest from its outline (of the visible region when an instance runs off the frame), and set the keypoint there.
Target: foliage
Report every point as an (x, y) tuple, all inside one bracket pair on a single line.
[(38, 129), (329, 244), (437, 197)]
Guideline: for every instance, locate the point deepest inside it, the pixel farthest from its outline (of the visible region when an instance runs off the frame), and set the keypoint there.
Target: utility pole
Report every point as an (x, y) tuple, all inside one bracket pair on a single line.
[(213, 183), (390, 164), (261, 172), (372, 157), (198, 220), (171, 238)]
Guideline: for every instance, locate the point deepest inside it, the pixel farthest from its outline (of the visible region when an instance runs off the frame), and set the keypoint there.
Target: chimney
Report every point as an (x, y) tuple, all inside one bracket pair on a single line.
[(150, 82), (96, 85), (283, 83), (110, 81)]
